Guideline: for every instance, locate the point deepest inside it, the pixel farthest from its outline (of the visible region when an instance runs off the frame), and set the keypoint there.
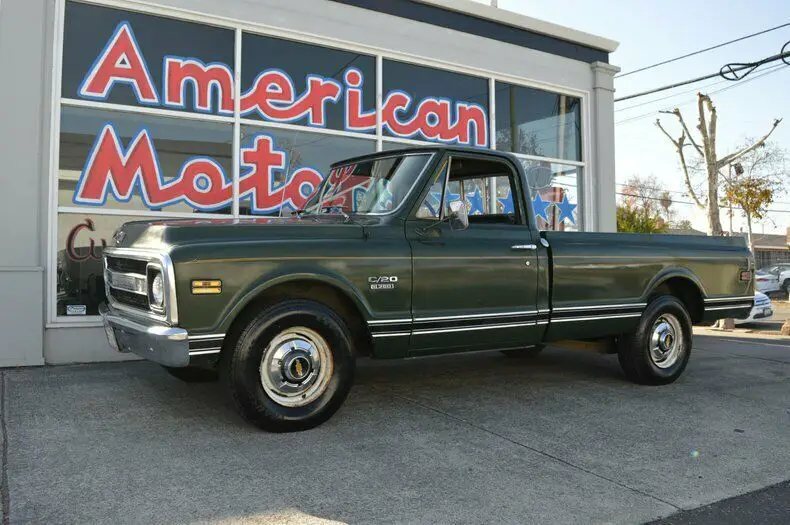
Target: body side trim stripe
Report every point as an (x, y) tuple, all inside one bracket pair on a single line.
[(204, 351), (389, 321), (391, 334), (204, 337), (524, 313), (594, 318), (728, 307), (471, 328), (599, 306), (730, 298)]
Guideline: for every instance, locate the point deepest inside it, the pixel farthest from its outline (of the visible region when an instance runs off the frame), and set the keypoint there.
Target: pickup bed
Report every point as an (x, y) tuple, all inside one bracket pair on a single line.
[(386, 261)]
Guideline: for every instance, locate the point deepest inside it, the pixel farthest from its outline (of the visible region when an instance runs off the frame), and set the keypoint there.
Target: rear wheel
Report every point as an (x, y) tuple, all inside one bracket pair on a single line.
[(292, 366), (659, 350)]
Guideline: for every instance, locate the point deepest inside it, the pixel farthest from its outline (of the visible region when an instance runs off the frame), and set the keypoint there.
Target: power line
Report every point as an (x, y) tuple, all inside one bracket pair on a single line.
[(640, 197), (728, 71), (674, 95), (773, 69), (651, 66)]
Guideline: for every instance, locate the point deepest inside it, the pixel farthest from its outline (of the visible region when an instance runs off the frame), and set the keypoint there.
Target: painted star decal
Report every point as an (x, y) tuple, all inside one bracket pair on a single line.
[(475, 200), (541, 207), (566, 209), (507, 204)]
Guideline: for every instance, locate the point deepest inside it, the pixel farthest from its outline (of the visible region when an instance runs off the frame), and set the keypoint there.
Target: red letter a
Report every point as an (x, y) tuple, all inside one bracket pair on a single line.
[(121, 61)]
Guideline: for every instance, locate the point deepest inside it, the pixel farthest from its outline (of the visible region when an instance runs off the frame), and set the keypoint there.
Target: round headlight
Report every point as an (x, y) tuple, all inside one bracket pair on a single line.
[(158, 291)]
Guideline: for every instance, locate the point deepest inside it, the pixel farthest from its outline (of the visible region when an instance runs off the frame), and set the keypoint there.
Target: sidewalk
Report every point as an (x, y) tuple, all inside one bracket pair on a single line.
[(473, 439)]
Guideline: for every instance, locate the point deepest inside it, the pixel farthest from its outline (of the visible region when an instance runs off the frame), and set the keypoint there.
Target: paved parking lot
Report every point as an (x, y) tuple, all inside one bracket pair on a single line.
[(457, 439)]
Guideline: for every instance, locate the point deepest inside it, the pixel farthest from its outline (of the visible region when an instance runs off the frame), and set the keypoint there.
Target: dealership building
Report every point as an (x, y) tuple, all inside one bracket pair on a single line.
[(120, 110)]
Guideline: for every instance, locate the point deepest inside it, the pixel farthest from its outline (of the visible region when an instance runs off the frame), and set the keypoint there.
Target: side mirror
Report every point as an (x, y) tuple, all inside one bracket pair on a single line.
[(459, 215)]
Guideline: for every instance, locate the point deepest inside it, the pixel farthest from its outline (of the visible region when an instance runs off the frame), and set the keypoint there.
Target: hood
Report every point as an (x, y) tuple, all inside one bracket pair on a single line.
[(163, 234)]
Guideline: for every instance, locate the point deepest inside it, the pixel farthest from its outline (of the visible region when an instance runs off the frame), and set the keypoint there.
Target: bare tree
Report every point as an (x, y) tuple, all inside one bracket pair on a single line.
[(706, 149), (647, 193)]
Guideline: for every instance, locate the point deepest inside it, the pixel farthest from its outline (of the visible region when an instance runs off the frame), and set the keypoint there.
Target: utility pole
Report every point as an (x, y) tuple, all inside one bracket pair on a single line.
[(730, 165)]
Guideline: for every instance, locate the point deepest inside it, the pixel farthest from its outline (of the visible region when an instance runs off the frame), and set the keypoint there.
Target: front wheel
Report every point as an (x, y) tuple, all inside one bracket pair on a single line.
[(659, 350), (292, 366)]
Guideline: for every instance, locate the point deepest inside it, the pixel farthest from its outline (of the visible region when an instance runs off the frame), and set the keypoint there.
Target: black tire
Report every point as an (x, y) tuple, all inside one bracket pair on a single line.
[(528, 352), (786, 285), (193, 374), (244, 359), (634, 350)]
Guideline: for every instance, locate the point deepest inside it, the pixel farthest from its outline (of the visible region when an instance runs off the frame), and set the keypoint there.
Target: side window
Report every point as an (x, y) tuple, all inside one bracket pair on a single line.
[(431, 206), (488, 189)]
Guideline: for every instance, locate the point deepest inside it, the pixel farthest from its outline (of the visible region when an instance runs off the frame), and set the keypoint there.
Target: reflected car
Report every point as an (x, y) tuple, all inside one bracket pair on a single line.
[(762, 309), (766, 282)]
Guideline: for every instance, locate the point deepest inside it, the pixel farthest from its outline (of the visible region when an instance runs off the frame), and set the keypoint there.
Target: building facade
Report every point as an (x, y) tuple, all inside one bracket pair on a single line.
[(120, 110)]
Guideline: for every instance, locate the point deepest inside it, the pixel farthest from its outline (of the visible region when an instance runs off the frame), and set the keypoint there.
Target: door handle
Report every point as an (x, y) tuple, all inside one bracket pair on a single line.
[(524, 247)]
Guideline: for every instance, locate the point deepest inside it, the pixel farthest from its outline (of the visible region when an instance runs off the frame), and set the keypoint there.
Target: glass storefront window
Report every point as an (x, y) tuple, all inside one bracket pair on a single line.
[(280, 169), (79, 265), (555, 190), (424, 103), (124, 57), (139, 162), (297, 83), (535, 122), (132, 155)]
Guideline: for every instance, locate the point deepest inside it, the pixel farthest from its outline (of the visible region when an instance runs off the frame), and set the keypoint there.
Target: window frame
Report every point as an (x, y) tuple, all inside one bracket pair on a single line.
[(239, 27), (445, 165)]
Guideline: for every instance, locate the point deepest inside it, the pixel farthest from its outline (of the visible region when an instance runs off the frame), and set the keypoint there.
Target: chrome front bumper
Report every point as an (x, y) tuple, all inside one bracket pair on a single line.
[(162, 344)]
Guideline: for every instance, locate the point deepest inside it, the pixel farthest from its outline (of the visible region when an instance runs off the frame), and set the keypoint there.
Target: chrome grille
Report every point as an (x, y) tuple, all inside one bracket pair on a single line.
[(127, 273), (126, 282), (126, 265)]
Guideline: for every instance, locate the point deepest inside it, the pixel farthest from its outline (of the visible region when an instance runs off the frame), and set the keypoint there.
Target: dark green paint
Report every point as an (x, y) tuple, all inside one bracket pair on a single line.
[(440, 272)]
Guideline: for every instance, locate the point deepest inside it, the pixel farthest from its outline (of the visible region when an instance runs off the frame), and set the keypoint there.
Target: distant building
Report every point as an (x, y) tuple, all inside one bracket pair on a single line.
[(771, 249)]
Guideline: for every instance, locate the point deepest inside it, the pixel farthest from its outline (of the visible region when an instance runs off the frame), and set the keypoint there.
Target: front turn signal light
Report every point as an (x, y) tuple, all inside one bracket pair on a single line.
[(208, 287)]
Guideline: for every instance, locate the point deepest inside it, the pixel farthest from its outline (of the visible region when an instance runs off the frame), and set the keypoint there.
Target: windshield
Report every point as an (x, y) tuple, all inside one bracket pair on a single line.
[(374, 186)]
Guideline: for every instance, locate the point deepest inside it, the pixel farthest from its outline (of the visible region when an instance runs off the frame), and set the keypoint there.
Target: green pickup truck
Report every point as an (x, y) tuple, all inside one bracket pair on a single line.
[(386, 261)]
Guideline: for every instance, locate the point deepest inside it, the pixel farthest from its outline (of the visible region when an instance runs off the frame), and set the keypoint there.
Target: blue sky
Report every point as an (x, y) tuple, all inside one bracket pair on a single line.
[(649, 32)]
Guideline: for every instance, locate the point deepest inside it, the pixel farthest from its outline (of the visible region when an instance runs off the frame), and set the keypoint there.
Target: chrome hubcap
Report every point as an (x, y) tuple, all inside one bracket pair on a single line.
[(666, 343), (296, 367)]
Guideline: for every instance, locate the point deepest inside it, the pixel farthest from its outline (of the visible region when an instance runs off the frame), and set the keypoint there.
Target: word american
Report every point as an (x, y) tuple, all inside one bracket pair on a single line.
[(273, 95)]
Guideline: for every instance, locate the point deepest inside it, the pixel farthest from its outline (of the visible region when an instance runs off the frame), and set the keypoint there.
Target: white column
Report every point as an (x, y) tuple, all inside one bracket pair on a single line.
[(601, 161)]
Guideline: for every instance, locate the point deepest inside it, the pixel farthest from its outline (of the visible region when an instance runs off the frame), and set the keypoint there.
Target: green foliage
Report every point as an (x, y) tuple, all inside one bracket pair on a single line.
[(639, 220), (753, 195)]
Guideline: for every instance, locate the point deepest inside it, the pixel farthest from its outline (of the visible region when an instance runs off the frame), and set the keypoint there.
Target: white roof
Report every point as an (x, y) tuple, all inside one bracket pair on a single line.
[(511, 18)]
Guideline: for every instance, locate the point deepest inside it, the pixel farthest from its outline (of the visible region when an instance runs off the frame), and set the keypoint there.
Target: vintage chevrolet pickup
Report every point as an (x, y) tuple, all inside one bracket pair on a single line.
[(385, 261)]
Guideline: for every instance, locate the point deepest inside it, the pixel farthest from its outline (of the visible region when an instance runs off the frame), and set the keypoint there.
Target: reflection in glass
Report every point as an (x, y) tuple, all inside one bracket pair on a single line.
[(555, 191), (142, 162), (80, 269), (369, 187), (536, 122), (306, 158)]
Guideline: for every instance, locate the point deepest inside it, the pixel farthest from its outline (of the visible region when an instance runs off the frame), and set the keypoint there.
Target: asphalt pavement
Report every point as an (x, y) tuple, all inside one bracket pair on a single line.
[(474, 438)]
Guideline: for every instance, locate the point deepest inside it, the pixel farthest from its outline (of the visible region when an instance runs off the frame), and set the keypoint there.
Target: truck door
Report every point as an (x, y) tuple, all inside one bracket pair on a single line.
[(473, 288)]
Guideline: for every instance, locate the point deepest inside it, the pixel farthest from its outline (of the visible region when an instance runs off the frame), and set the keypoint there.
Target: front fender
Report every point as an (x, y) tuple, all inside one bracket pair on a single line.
[(283, 276)]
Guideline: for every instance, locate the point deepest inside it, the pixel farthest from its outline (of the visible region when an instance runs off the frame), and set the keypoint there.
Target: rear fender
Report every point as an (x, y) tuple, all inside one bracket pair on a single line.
[(670, 273)]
